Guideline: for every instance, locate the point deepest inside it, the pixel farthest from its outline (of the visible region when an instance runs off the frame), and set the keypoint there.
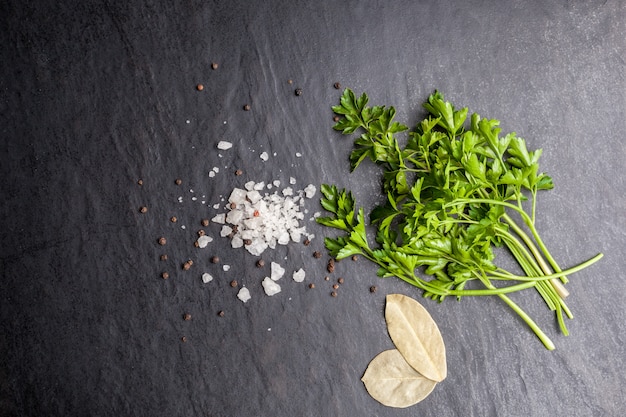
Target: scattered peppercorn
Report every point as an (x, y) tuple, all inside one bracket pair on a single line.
[(238, 172), (331, 265), (335, 286), (260, 263), (354, 257), (187, 265), (165, 275), (233, 283), (205, 222), (214, 65), (290, 81), (317, 254), (186, 316), (233, 206), (183, 339), (143, 209), (215, 259), (221, 313), (298, 91), (327, 278), (173, 219), (178, 181), (373, 288), (247, 242), (337, 86), (164, 257), (140, 181), (336, 119), (333, 294), (311, 285), (201, 232), (340, 280), (162, 241), (200, 87), (246, 107), (306, 242)]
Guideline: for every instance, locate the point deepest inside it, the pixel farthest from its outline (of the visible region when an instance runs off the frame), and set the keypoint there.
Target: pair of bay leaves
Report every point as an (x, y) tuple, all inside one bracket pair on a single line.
[(406, 375)]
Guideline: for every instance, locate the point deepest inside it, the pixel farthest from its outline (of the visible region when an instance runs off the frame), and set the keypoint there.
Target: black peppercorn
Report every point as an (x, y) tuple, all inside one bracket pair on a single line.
[(373, 288), (215, 260), (260, 263), (246, 107), (337, 86), (298, 91)]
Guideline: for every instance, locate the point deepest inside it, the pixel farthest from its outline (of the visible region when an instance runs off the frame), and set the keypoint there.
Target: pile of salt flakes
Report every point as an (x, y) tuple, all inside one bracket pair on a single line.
[(257, 220)]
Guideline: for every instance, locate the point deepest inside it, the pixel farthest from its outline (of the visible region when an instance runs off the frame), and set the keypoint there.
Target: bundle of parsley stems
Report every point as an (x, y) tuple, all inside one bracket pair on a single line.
[(454, 193)]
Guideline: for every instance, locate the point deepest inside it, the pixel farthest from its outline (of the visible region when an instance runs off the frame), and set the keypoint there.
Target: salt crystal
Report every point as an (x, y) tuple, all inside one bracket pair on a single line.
[(298, 154), (292, 180), (276, 183), (226, 268), (270, 286), (244, 294), (298, 275), (206, 277), (277, 271), (226, 230), (219, 218), (204, 240), (223, 145), (264, 156), (211, 174), (309, 191)]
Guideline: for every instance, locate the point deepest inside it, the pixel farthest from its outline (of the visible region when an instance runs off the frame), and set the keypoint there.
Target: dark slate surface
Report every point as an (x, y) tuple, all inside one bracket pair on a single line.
[(96, 95)]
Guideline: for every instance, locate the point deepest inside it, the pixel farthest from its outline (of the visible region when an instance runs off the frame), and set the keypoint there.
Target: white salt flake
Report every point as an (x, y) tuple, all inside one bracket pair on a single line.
[(298, 154), (226, 268), (206, 277), (219, 218), (264, 156), (204, 240), (277, 271), (292, 180), (223, 145), (298, 275), (270, 287), (244, 294), (310, 190)]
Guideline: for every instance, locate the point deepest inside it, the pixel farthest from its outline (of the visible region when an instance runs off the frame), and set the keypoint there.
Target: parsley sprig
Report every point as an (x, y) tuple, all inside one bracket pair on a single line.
[(455, 191)]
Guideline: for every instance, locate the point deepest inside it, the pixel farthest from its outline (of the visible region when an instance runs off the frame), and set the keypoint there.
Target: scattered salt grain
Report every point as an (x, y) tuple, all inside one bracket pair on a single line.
[(298, 154), (244, 294), (309, 191), (292, 180), (270, 286), (264, 156), (226, 268), (206, 277), (298, 275), (219, 218), (204, 240), (277, 271), (223, 145)]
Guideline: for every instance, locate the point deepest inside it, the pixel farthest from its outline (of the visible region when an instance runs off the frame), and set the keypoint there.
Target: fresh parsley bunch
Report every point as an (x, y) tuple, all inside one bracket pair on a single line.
[(454, 192)]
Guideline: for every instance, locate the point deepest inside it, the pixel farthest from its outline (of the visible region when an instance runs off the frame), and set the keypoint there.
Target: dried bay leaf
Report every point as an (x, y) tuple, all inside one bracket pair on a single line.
[(390, 380), (416, 336)]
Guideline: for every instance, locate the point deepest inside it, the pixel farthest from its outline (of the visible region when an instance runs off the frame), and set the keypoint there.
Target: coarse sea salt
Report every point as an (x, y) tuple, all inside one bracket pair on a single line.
[(259, 222), (277, 271), (203, 241), (298, 275), (206, 277), (224, 145), (270, 287), (244, 294)]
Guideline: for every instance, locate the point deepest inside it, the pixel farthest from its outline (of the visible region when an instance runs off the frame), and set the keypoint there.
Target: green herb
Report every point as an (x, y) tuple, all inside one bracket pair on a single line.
[(454, 192)]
